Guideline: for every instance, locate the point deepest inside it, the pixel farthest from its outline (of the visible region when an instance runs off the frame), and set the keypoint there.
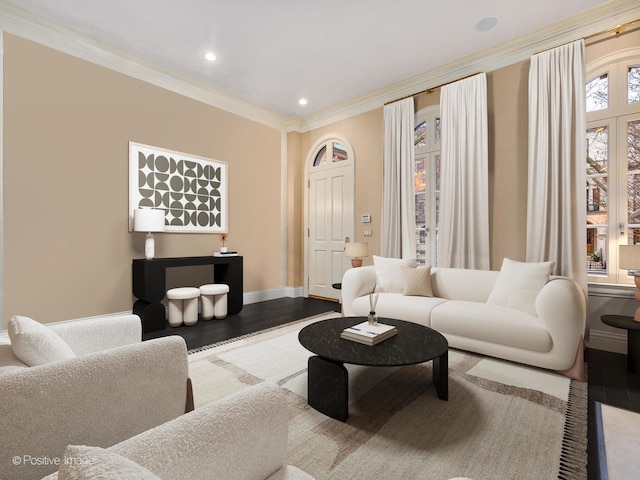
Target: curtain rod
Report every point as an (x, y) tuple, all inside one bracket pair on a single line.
[(614, 31), (430, 90)]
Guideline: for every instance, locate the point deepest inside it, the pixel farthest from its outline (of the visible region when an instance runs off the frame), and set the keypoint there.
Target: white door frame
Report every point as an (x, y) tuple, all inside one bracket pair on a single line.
[(308, 164)]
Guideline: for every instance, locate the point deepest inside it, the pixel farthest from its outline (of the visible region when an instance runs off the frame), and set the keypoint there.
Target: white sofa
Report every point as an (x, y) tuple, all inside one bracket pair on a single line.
[(240, 437), (465, 309), (114, 387)]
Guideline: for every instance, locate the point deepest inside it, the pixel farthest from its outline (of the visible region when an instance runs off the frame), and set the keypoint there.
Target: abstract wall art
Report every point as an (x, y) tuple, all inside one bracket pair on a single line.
[(191, 190)]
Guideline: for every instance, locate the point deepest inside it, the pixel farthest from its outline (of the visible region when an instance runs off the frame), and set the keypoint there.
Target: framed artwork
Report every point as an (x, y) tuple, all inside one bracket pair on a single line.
[(191, 190)]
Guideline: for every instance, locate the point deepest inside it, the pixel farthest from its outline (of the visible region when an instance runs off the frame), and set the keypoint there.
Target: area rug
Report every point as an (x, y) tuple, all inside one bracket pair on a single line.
[(502, 420)]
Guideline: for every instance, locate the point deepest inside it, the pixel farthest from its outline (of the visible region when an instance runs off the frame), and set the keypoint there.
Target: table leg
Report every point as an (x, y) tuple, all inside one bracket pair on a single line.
[(633, 351), (441, 376), (328, 388)]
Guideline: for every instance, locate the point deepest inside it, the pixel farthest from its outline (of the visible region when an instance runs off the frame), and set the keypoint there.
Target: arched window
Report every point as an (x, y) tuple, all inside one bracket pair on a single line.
[(338, 153), (613, 164)]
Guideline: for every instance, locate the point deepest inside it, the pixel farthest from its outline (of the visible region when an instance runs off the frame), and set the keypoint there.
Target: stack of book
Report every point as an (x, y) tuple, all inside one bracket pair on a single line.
[(368, 334), (225, 254)]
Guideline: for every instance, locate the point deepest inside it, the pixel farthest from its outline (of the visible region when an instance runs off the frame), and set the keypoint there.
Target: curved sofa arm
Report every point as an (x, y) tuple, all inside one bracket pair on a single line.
[(101, 333), (562, 308), (356, 282), (243, 435)]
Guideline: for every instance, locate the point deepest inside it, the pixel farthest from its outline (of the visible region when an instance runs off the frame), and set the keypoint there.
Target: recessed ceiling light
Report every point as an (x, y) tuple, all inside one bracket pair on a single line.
[(302, 101), (210, 56), (486, 24)]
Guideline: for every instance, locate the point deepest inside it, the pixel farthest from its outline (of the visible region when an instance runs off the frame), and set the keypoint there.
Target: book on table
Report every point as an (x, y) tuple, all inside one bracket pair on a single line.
[(225, 254), (369, 334)]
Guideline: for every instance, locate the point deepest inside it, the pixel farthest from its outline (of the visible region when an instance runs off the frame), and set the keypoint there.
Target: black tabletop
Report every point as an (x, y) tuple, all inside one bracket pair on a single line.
[(620, 321), (413, 344)]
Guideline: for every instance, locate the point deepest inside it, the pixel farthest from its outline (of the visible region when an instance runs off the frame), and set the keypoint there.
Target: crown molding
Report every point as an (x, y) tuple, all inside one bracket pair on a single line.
[(18, 22), (594, 20), (37, 29)]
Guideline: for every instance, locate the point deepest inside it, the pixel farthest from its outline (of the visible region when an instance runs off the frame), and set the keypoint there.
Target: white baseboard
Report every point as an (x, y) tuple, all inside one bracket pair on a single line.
[(608, 341)]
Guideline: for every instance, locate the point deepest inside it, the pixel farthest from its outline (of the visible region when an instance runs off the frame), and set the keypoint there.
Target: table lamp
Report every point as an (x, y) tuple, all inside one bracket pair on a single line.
[(630, 260), (148, 220), (356, 251)]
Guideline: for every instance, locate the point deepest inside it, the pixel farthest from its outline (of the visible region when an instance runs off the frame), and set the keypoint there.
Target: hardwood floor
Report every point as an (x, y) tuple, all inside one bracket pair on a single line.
[(609, 381), (252, 318)]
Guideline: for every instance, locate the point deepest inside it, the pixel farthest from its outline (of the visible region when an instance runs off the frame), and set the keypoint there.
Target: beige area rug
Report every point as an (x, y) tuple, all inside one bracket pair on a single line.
[(502, 420)]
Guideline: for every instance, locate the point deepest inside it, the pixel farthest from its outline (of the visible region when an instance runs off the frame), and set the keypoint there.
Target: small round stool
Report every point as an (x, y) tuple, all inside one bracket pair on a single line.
[(183, 306), (214, 300)]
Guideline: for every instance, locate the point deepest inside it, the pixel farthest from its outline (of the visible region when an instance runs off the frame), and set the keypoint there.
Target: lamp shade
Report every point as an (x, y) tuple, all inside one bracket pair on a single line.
[(630, 257), (356, 250), (148, 220)]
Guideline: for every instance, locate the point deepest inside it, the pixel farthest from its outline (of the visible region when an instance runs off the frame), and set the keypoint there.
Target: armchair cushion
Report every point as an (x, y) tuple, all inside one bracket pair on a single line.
[(35, 344), (90, 463)]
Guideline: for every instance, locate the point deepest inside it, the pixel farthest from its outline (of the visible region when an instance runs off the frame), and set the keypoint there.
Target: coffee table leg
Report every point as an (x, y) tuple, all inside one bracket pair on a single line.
[(328, 388), (441, 376)]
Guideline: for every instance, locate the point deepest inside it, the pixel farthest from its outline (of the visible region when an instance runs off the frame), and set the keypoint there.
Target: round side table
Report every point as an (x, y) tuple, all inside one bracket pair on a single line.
[(633, 338)]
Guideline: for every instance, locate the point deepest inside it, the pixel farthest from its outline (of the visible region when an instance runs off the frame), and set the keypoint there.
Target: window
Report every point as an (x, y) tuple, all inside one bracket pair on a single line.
[(339, 154), (427, 183), (613, 168)]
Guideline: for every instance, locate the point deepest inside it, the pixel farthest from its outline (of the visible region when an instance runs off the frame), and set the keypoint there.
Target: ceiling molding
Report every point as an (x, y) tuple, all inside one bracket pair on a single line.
[(589, 22), (39, 30)]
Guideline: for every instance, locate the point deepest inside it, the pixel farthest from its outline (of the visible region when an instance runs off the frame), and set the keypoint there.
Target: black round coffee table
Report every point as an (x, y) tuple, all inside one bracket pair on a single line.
[(328, 388), (633, 338)]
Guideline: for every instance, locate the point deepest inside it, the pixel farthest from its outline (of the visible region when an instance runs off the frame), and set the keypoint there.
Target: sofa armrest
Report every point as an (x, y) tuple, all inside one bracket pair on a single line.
[(101, 333), (356, 282), (99, 399), (562, 308), (244, 435)]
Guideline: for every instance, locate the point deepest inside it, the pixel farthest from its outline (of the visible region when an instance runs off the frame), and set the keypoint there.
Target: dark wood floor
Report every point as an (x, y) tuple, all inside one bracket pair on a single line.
[(609, 381)]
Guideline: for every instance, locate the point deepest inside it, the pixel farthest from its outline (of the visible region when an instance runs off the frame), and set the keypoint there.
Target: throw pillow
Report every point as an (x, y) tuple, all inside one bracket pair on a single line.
[(94, 463), (519, 283), (389, 273), (36, 344), (417, 281)]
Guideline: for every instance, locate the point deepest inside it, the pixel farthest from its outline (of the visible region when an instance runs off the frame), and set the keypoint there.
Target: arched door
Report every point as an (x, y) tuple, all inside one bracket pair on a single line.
[(329, 214)]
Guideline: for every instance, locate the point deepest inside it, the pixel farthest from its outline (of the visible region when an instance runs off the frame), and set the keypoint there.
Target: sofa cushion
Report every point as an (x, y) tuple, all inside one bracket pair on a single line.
[(492, 324), (396, 305), (90, 463), (417, 281), (36, 344), (519, 283), (389, 276)]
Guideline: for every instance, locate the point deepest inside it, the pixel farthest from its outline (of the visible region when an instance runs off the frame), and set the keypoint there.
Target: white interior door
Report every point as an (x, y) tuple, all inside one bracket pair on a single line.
[(331, 210)]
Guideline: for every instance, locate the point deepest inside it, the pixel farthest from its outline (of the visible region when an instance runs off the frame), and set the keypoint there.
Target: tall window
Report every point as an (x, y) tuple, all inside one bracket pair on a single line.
[(427, 183), (613, 167)]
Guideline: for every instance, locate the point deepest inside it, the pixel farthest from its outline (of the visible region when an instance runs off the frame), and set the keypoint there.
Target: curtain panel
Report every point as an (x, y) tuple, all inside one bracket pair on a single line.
[(556, 204), (464, 175), (398, 197)]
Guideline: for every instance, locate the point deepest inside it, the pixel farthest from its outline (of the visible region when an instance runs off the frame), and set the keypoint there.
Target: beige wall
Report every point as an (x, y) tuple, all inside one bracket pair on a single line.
[(507, 109), (67, 124)]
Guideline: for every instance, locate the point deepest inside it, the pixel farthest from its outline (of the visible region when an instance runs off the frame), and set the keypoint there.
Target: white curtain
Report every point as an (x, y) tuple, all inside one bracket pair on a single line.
[(398, 198), (556, 205), (464, 175)]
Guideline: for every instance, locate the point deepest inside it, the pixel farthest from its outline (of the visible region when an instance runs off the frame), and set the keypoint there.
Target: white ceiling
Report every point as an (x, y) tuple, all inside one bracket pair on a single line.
[(273, 52)]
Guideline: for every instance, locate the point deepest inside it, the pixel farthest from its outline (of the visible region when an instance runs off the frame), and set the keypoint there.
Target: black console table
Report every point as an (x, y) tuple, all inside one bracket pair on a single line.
[(149, 285)]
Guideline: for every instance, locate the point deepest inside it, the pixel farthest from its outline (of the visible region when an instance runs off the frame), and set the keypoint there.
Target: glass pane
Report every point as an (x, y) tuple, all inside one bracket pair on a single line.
[(437, 132), (321, 157), (339, 153), (633, 183), (420, 175), (598, 93), (633, 85), (420, 134), (597, 166)]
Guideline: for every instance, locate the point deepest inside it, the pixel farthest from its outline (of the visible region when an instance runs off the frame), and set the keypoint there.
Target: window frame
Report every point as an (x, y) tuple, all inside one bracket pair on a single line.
[(615, 117)]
